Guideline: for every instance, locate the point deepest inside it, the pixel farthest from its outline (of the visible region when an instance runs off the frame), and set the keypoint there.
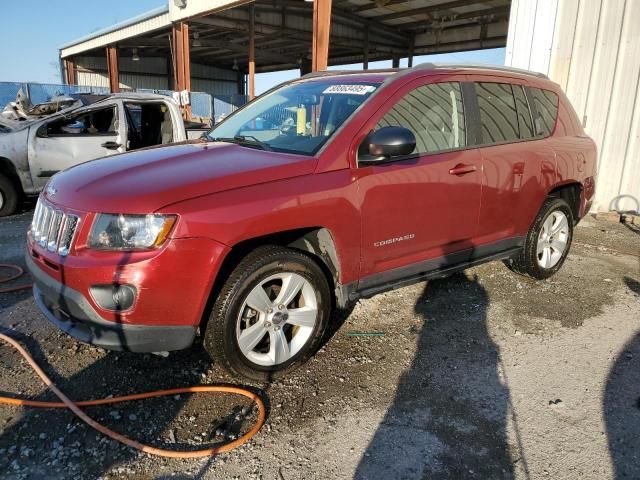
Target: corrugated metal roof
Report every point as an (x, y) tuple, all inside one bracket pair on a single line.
[(148, 21)]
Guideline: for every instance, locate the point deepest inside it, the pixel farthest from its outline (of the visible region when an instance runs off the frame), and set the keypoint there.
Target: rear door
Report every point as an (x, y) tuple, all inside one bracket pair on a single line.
[(88, 133), (421, 212), (515, 162)]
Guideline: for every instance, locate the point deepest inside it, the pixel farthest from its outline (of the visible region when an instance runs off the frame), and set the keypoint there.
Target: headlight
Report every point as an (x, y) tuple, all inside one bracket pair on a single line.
[(129, 232)]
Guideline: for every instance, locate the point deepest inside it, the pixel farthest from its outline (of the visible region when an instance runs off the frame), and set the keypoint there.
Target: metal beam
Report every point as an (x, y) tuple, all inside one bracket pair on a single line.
[(339, 15), (112, 68), (426, 10), (373, 5), (495, 12)]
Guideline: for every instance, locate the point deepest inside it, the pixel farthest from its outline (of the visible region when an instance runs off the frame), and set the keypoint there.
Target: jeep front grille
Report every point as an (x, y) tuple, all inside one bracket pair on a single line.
[(53, 229)]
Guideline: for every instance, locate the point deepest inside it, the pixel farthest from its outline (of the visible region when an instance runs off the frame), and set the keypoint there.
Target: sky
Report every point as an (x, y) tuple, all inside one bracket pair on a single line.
[(33, 31)]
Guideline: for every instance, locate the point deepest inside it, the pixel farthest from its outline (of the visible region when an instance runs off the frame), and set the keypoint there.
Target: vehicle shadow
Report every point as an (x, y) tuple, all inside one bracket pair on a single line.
[(449, 415), (621, 405)]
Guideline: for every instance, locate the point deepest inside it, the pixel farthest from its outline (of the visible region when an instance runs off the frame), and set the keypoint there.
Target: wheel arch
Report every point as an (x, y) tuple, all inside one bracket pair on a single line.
[(571, 193), (8, 169), (318, 242)]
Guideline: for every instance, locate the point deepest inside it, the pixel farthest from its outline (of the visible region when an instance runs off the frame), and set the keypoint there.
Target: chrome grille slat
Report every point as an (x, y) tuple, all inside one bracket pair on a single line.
[(46, 223), (53, 229)]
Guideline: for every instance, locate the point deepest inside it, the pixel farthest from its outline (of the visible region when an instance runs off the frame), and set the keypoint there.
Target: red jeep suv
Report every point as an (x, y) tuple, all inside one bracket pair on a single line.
[(324, 190)]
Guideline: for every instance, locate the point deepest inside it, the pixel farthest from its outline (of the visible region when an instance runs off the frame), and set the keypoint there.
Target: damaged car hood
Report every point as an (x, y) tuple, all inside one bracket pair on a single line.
[(147, 180)]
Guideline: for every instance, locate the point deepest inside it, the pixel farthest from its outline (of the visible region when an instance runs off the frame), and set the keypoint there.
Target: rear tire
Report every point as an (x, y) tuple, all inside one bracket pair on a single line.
[(270, 315), (8, 197), (548, 241)]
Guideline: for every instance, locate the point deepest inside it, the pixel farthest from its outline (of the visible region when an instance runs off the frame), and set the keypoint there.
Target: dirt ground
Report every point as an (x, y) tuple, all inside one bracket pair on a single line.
[(482, 375)]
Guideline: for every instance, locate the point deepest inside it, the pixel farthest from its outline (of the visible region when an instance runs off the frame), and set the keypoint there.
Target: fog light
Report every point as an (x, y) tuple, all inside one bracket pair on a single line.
[(116, 298)]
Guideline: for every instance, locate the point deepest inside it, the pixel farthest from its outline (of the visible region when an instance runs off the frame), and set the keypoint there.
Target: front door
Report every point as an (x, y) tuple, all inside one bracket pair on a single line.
[(421, 212), (62, 142)]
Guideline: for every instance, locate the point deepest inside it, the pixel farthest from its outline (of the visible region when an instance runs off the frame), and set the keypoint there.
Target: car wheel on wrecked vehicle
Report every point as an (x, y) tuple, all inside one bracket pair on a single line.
[(270, 315), (8, 197)]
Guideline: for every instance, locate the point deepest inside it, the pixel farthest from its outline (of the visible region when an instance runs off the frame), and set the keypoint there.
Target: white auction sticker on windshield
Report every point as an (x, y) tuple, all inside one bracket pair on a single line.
[(350, 89)]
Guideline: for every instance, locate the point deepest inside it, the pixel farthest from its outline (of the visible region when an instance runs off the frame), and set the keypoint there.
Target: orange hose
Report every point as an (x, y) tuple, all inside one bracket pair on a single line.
[(74, 406), (18, 273)]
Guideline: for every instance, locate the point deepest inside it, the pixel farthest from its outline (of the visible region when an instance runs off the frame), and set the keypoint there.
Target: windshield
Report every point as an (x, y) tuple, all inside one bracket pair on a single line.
[(296, 118)]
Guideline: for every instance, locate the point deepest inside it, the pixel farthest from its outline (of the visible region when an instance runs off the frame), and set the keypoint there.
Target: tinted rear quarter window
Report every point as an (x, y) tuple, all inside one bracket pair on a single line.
[(544, 104), (524, 115), (498, 114)]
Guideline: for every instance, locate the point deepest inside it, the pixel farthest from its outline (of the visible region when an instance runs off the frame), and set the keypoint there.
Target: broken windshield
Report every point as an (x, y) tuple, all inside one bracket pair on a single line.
[(296, 118)]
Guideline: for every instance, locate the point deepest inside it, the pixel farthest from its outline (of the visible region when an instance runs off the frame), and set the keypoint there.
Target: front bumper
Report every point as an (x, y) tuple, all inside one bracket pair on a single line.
[(69, 310)]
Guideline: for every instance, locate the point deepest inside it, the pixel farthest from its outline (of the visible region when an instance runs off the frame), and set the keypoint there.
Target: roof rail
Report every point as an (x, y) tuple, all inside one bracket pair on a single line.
[(326, 73), (500, 68)]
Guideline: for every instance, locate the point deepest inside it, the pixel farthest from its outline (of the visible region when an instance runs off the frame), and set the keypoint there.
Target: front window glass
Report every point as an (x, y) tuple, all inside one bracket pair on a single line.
[(94, 122), (296, 118), (435, 115)]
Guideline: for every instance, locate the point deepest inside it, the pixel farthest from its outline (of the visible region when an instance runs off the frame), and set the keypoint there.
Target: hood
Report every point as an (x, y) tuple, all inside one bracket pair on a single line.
[(146, 180)]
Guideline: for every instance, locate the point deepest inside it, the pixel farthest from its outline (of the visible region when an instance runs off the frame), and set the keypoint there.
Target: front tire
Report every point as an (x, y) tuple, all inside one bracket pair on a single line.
[(8, 197), (270, 315), (548, 241)]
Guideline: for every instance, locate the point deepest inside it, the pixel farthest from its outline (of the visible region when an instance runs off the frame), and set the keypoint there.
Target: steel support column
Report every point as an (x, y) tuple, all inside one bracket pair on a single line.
[(252, 53), (321, 31), (365, 54), (112, 68), (181, 62), (69, 71), (412, 45)]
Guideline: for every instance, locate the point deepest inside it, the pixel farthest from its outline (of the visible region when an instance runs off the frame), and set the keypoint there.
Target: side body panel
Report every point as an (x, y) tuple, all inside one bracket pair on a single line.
[(415, 210), (328, 200), (48, 155), (13, 148)]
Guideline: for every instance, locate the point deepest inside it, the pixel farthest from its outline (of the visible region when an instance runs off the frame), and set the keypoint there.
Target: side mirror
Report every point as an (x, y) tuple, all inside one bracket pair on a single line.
[(388, 142)]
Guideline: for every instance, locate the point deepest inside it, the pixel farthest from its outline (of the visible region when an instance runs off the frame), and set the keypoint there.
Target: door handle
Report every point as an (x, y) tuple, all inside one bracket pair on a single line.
[(111, 145), (462, 169)]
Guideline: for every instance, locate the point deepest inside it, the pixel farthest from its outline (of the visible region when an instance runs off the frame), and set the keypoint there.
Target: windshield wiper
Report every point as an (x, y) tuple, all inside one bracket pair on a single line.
[(251, 140), (246, 140)]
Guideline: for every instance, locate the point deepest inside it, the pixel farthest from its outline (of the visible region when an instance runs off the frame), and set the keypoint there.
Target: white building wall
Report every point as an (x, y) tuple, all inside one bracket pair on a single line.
[(592, 49)]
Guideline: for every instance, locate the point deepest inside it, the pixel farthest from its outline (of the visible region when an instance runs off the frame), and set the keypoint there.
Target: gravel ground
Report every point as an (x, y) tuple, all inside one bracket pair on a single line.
[(482, 375)]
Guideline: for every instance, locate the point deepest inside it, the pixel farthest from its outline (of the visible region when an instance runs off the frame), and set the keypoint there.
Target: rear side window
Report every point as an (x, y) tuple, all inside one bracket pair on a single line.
[(524, 115), (544, 105), (435, 115), (498, 114)]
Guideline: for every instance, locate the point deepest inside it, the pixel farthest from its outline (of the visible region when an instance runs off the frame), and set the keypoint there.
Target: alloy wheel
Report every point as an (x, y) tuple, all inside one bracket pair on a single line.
[(553, 239), (276, 319)]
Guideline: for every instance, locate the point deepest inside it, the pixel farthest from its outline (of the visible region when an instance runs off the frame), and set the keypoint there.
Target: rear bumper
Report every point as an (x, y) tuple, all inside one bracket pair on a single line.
[(70, 311)]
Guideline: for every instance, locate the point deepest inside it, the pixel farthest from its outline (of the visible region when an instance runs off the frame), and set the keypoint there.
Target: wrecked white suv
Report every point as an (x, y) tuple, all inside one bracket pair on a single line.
[(34, 149)]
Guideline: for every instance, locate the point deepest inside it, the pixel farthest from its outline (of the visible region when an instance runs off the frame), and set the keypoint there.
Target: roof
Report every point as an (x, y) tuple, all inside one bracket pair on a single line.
[(118, 26), (219, 31), (385, 73)]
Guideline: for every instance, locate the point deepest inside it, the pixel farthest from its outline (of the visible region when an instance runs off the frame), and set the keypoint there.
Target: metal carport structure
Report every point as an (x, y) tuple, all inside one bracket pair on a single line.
[(217, 46)]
